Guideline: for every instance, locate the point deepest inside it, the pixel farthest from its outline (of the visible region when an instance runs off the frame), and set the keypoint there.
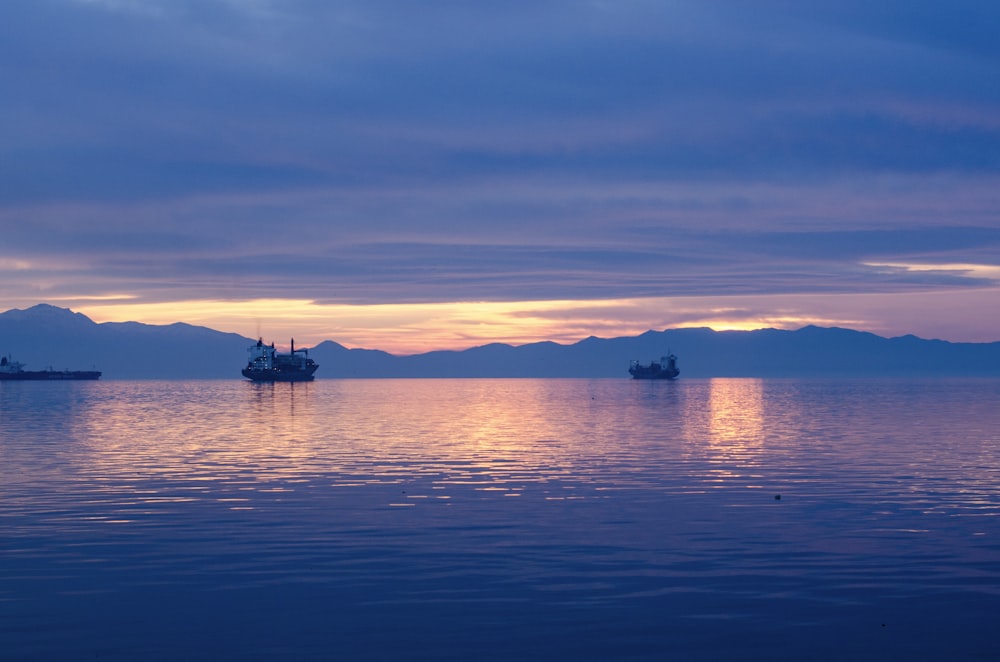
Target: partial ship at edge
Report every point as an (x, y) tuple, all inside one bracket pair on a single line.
[(665, 368), (11, 370), (267, 365)]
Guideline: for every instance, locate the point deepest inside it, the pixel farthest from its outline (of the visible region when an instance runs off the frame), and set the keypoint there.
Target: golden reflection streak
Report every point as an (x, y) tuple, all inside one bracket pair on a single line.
[(735, 421), (487, 437)]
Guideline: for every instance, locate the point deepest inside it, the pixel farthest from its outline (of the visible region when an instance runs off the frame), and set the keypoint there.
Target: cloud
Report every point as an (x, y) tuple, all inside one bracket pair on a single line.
[(180, 98), (383, 152)]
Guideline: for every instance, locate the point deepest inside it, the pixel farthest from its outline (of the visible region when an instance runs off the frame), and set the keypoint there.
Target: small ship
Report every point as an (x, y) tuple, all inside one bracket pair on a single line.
[(267, 365), (11, 370), (665, 368)]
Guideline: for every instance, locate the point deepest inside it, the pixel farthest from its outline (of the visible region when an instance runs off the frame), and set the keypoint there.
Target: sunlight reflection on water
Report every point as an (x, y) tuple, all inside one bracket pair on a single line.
[(501, 519)]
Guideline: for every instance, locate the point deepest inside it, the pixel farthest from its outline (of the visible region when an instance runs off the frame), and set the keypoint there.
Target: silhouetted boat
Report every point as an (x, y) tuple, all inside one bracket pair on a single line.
[(267, 365), (665, 368), (11, 370)]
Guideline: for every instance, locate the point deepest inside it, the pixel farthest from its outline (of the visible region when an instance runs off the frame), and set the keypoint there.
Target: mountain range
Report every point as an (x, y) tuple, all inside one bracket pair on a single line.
[(48, 336)]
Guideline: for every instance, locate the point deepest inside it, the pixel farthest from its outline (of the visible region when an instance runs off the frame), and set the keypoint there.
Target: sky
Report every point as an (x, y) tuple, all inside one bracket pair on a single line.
[(410, 176)]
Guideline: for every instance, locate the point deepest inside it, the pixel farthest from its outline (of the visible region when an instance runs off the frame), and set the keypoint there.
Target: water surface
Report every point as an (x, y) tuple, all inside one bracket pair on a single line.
[(500, 519)]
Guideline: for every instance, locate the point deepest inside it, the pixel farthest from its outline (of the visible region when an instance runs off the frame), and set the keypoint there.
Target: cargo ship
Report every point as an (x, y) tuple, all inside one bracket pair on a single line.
[(665, 368), (267, 365), (11, 370)]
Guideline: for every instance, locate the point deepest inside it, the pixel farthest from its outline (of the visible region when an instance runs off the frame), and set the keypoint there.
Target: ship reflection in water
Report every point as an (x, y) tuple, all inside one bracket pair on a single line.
[(499, 519)]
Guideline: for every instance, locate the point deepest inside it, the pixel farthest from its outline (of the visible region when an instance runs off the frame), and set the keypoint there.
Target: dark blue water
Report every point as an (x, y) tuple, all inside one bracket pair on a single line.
[(500, 520)]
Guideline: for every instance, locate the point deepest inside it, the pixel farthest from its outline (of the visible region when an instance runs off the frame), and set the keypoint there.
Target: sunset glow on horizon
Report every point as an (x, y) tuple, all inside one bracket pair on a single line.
[(416, 328)]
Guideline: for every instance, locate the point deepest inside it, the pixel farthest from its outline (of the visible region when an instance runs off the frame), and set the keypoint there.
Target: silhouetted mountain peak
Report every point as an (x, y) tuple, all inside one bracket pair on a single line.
[(331, 345), (44, 313)]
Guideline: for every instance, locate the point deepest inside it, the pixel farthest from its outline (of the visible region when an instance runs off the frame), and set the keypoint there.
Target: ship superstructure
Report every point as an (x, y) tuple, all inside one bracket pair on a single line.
[(665, 368)]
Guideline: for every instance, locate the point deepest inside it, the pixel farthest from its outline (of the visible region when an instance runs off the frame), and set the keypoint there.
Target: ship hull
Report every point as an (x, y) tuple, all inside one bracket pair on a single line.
[(49, 375), (279, 375), (659, 374)]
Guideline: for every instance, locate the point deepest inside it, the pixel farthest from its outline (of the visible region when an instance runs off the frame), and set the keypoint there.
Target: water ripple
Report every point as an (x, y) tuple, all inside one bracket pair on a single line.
[(587, 517)]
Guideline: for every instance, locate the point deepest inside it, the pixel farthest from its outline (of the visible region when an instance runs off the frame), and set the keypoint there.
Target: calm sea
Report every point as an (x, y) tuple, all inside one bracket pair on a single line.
[(500, 520)]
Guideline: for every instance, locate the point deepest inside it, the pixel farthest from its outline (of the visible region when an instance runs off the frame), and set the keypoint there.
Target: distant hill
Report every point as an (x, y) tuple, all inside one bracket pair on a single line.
[(810, 351), (45, 335)]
